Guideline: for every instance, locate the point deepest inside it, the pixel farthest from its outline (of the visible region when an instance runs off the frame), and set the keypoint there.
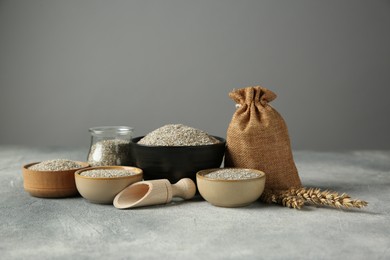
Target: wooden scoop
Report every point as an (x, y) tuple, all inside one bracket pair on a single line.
[(154, 192)]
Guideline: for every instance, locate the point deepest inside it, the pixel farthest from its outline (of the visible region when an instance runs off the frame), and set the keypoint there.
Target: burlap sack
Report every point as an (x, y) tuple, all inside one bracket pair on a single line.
[(257, 138)]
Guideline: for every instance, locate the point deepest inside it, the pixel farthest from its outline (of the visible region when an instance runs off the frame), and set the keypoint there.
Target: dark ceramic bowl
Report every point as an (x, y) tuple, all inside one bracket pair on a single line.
[(176, 162)]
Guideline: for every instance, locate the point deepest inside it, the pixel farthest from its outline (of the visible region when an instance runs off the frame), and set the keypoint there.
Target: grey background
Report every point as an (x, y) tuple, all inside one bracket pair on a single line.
[(66, 66)]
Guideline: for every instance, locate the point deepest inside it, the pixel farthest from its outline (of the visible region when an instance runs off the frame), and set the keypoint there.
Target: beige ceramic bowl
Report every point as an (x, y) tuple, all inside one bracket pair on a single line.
[(104, 190), (230, 193), (50, 184)]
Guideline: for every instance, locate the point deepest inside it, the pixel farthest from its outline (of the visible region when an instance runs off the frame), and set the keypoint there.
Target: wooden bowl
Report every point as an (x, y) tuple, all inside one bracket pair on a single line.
[(104, 190), (230, 193), (50, 184)]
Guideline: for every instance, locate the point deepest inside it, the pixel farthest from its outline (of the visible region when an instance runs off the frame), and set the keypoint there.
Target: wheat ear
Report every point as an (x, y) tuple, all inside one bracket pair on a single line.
[(296, 198), (327, 198)]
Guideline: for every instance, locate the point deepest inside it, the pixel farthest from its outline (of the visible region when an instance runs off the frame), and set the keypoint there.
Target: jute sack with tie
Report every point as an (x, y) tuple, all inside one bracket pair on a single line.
[(257, 138)]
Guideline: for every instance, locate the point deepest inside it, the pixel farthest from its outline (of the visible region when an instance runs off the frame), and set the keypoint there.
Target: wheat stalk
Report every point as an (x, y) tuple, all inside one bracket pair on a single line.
[(296, 198), (327, 198)]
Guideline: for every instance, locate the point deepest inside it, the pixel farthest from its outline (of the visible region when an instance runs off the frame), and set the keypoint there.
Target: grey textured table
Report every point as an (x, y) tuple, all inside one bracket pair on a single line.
[(74, 228)]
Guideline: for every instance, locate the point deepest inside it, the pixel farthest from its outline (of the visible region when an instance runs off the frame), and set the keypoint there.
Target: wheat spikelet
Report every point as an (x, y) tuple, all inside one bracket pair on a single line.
[(291, 201), (281, 198), (268, 197)]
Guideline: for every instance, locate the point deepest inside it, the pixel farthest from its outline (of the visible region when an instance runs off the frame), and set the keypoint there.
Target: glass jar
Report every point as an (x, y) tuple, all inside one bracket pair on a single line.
[(110, 145)]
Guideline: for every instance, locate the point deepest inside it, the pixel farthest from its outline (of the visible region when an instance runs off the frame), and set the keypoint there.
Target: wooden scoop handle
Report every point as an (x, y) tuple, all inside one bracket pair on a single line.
[(185, 188)]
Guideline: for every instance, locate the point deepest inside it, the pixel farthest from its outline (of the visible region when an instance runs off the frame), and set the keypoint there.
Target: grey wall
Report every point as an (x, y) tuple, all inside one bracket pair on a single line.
[(66, 66)]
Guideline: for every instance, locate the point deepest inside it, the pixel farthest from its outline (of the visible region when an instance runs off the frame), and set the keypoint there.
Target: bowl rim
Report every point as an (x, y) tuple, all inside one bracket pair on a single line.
[(200, 174), (132, 168), (221, 139), (26, 167), (118, 129)]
